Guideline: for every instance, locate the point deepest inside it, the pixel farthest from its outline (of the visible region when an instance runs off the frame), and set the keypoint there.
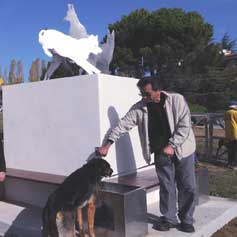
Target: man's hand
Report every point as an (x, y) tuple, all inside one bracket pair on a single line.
[(168, 150), (103, 150), (2, 176)]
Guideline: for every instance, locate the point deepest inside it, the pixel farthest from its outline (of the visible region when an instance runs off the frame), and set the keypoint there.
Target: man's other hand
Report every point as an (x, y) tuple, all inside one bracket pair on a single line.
[(168, 150), (2, 176)]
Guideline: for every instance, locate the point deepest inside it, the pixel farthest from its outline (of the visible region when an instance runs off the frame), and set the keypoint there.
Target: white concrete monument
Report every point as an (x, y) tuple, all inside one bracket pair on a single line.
[(53, 126), (78, 31)]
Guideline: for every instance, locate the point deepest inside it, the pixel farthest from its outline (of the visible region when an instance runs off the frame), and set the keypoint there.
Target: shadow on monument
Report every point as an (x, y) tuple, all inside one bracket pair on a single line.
[(125, 158)]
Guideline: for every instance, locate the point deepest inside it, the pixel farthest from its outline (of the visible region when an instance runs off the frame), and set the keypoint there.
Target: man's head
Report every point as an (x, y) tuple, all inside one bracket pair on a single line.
[(233, 104), (150, 89)]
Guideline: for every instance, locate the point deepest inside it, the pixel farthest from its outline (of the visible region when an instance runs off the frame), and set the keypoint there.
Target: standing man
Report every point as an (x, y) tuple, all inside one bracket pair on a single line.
[(230, 118), (164, 126)]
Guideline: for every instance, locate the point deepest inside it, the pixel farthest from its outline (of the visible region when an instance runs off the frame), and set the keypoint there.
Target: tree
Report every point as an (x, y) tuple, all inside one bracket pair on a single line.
[(19, 73), (35, 71), (177, 48), (12, 72), (5, 76), (227, 43), (165, 41)]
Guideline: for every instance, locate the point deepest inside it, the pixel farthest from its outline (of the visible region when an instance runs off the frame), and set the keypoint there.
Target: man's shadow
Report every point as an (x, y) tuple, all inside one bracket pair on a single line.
[(123, 147)]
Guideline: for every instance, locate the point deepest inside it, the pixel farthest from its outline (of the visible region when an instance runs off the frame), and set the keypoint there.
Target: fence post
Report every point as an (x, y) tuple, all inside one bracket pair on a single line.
[(210, 136), (206, 138)]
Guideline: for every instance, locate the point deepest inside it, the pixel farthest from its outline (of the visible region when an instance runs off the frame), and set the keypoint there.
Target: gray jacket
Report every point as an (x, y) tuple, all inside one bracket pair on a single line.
[(182, 138)]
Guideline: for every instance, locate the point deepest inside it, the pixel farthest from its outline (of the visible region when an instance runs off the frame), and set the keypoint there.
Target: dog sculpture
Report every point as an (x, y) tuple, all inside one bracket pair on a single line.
[(55, 42), (78, 31), (77, 191)]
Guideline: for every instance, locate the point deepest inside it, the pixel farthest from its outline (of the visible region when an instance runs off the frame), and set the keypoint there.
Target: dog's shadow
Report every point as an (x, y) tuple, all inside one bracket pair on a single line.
[(26, 223)]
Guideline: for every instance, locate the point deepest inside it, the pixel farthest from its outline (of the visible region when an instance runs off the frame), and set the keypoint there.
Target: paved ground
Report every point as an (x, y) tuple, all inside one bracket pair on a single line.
[(17, 221), (209, 217)]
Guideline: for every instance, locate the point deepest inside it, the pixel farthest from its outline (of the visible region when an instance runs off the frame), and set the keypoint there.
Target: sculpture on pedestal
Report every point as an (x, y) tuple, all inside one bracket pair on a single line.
[(101, 60), (56, 43)]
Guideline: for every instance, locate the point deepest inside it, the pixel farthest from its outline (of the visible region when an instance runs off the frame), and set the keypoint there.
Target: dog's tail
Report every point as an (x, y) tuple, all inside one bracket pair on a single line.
[(45, 222), (49, 222)]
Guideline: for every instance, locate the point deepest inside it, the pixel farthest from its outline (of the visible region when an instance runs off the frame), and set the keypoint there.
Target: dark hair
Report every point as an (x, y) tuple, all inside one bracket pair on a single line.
[(149, 80)]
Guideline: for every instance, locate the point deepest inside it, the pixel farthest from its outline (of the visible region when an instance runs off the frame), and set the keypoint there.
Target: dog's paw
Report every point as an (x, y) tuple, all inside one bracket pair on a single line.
[(80, 233), (91, 233)]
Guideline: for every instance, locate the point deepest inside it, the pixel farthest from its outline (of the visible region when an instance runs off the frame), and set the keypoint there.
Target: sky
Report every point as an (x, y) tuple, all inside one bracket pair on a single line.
[(21, 21)]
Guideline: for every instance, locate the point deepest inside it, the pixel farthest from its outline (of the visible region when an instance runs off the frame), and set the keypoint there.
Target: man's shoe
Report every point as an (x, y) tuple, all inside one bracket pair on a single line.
[(187, 228), (164, 226)]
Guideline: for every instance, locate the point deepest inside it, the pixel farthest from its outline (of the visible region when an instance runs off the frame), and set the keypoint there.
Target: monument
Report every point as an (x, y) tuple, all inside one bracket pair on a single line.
[(55, 126), (78, 31), (60, 122)]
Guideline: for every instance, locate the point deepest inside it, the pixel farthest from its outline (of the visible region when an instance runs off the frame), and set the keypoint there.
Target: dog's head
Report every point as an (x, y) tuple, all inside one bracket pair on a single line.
[(101, 167)]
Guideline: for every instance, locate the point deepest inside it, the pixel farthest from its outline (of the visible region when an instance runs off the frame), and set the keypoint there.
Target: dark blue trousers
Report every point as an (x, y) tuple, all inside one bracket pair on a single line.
[(175, 174)]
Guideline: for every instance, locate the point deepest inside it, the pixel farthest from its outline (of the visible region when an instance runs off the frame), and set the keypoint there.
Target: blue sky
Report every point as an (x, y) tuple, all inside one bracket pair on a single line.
[(21, 20)]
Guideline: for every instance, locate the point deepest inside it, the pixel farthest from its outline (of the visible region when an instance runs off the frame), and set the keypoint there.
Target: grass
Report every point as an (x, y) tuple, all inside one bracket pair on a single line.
[(223, 183)]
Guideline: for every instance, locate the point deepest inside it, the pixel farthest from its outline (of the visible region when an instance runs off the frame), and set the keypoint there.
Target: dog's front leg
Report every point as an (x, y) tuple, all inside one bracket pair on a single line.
[(80, 222), (91, 217)]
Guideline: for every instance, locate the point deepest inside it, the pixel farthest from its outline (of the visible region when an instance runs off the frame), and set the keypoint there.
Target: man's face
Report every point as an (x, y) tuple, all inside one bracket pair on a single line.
[(149, 95)]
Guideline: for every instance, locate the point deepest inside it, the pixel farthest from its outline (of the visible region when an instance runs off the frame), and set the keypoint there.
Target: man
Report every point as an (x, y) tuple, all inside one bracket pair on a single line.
[(164, 126), (230, 118)]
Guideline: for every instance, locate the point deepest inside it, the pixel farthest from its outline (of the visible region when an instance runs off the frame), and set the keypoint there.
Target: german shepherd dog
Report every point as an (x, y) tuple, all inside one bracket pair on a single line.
[(65, 204)]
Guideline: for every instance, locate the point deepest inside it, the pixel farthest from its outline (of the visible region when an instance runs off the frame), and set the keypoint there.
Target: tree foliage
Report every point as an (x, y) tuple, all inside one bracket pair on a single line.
[(19, 72), (15, 74), (176, 47), (12, 72), (37, 70), (163, 42), (227, 43)]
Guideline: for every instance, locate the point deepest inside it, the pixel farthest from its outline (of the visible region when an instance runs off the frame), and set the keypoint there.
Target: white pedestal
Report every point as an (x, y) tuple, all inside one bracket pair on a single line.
[(53, 126)]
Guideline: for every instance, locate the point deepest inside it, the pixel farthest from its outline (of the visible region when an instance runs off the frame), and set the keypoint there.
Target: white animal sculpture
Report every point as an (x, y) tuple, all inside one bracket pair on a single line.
[(55, 42), (78, 31)]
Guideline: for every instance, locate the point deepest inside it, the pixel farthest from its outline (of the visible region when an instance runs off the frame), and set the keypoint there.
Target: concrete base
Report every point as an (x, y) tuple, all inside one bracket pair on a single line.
[(202, 181), (209, 217)]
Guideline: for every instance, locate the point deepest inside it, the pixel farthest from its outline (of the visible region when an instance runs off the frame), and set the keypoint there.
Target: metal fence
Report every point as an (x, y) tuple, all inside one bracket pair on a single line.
[(208, 129)]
